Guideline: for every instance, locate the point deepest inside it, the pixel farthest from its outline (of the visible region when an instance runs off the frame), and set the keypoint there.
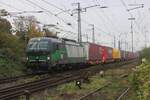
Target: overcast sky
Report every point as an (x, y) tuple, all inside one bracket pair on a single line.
[(109, 22)]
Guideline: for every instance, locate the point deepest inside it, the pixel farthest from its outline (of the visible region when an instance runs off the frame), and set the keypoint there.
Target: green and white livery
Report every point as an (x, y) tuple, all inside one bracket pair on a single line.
[(44, 53)]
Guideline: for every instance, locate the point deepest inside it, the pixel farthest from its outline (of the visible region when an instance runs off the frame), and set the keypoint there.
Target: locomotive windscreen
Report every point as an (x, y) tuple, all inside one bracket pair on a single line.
[(38, 45)]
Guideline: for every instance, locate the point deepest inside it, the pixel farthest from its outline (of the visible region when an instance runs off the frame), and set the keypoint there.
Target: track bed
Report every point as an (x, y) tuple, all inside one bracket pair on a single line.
[(116, 74)]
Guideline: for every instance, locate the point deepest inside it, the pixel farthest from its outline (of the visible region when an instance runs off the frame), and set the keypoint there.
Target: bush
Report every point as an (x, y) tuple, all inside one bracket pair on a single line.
[(11, 47), (8, 68), (11, 50), (140, 80), (11, 54), (145, 53)]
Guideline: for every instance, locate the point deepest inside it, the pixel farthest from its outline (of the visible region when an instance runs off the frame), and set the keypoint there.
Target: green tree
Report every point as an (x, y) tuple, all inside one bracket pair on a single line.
[(145, 53), (11, 46), (12, 51)]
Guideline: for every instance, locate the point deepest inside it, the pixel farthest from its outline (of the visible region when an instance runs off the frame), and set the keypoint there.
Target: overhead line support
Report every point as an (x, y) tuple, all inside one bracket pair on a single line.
[(79, 10)]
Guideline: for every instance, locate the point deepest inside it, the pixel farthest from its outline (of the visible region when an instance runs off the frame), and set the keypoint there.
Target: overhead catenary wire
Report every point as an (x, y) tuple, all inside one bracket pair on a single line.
[(135, 22), (21, 11), (53, 5), (56, 6), (98, 27), (126, 8), (10, 6), (107, 17), (117, 31), (69, 13), (48, 11), (97, 13)]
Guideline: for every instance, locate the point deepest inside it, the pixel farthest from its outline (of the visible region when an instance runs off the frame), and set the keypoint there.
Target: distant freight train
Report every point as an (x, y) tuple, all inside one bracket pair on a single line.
[(44, 53)]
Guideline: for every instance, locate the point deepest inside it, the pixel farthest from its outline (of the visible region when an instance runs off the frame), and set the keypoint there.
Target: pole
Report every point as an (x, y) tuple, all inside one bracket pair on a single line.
[(132, 34), (119, 45), (127, 46), (79, 10), (114, 42), (119, 42), (79, 23), (145, 41), (93, 34), (87, 37)]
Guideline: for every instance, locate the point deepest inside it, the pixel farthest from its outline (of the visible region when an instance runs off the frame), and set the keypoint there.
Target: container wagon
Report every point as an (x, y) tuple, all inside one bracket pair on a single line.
[(96, 54), (116, 54)]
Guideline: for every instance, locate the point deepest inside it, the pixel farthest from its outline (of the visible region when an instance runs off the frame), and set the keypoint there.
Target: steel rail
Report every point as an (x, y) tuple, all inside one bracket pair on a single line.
[(18, 90), (123, 93)]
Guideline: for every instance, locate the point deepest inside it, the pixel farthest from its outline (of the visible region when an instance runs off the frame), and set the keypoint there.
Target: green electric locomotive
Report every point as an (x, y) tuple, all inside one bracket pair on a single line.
[(45, 53)]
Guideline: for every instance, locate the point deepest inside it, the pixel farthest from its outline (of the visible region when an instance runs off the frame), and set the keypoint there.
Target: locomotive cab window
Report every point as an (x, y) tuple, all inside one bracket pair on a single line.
[(43, 45), (57, 47), (38, 45)]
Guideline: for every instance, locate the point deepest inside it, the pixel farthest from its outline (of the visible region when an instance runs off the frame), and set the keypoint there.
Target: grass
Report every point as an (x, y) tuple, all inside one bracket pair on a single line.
[(95, 82), (70, 91)]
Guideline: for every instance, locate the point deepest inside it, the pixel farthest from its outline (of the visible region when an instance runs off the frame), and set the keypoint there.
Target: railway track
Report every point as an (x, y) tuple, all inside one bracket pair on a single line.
[(85, 97), (119, 96), (34, 86), (22, 89), (125, 91), (91, 93), (13, 79)]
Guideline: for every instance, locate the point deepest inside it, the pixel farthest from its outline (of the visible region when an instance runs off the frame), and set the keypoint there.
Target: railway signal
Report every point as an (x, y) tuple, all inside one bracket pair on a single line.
[(78, 83)]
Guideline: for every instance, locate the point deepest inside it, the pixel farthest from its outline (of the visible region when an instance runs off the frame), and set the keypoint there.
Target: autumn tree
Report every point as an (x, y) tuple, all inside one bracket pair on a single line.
[(33, 31), (5, 26), (12, 50), (27, 27), (49, 33)]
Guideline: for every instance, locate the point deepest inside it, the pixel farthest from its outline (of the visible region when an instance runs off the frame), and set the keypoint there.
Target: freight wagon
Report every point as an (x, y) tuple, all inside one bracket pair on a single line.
[(116, 54), (96, 54)]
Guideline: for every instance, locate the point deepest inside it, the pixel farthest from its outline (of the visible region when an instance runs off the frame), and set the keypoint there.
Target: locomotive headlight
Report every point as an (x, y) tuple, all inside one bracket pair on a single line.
[(48, 58)]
